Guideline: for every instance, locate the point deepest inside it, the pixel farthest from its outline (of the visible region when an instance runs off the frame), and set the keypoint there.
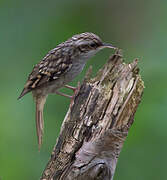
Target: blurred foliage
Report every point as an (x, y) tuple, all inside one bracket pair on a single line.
[(29, 29)]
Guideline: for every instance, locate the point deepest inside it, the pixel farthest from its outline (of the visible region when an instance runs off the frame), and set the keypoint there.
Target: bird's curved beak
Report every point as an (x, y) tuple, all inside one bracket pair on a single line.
[(107, 45)]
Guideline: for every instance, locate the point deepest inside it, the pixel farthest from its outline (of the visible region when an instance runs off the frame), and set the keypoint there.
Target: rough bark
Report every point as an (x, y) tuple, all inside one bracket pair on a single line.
[(95, 127)]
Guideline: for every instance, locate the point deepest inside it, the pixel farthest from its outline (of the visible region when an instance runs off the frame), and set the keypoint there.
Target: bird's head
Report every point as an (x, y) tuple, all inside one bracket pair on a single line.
[(88, 43)]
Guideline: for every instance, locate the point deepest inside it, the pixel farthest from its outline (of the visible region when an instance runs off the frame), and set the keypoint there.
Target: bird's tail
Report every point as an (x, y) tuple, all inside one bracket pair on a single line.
[(40, 102)]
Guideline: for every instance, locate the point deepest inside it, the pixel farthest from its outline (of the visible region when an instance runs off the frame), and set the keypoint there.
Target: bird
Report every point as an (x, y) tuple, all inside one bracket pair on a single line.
[(59, 67)]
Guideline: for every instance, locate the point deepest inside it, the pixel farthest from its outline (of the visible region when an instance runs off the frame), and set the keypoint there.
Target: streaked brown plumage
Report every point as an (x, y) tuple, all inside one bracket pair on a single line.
[(59, 67)]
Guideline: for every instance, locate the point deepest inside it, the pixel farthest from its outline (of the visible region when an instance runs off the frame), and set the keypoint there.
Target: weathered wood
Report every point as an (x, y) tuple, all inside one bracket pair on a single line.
[(95, 128)]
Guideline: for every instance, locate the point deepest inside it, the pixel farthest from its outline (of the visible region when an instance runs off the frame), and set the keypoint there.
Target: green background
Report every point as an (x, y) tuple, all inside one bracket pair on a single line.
[(29, 29)]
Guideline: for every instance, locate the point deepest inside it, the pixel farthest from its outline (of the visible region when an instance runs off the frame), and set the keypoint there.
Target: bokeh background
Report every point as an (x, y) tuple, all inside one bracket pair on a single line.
[(29, 29)]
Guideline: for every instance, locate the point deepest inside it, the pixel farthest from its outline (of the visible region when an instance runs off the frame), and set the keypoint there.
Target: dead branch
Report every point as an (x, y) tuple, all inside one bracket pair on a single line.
[(95, 128)]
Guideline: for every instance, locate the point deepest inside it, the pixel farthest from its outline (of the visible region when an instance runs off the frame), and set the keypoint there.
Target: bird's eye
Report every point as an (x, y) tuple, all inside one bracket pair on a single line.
[(93, 45)]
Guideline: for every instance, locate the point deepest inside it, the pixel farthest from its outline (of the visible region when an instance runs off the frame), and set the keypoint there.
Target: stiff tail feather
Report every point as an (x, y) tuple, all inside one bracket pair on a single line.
[(40, 102)]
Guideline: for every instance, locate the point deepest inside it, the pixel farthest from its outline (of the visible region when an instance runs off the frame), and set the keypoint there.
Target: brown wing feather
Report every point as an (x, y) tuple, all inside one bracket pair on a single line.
[(49, 69)]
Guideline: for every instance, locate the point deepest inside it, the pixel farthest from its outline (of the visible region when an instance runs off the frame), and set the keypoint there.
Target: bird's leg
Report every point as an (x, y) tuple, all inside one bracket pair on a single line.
[(62, 94), (70, 87), (75, 90)]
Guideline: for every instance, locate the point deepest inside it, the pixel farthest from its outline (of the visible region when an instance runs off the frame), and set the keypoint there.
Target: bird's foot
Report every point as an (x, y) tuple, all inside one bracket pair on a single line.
[(62, 94), (75, 90)]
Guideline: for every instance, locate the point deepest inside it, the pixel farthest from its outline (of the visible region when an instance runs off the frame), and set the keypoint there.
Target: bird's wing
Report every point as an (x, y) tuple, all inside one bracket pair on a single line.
[(52, 67)]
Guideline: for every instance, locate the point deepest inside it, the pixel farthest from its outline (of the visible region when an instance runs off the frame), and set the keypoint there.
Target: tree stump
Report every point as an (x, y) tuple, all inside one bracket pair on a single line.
[(95, 127)]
